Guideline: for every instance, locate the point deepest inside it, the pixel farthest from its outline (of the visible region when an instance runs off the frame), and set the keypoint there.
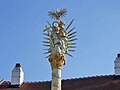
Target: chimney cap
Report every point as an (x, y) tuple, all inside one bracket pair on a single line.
[(118, 55), (17, 65)]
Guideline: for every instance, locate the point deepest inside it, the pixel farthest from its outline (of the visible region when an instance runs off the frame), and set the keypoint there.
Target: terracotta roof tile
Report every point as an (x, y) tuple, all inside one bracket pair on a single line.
[(87, 83)]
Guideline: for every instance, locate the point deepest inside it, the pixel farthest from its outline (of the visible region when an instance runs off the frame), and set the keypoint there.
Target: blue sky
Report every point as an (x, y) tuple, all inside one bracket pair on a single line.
[(98, 31)]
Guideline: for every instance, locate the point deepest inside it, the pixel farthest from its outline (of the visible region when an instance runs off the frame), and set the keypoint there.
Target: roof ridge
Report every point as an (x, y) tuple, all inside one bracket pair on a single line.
[(89, 77), (36, 82)]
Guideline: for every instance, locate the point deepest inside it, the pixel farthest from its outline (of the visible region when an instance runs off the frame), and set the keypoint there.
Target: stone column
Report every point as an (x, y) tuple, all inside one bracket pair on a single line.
[(57, 61)]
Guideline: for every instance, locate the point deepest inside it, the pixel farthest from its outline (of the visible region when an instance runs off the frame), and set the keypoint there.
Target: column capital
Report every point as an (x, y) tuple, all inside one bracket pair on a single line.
[(57, 61)]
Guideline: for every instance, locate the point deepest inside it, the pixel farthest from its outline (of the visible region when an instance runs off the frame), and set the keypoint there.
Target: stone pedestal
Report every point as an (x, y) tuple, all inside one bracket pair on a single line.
[(57, 61)]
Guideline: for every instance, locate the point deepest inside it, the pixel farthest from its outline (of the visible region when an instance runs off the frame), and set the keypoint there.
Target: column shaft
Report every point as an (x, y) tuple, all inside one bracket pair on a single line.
[(56, 79)]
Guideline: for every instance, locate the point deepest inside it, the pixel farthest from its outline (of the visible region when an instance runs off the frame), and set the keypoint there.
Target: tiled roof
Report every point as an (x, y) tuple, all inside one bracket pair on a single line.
[(89, 83)]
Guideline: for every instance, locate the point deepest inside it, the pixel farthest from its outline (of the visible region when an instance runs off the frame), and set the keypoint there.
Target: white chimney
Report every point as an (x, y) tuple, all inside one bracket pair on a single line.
[(117, 65), (17, 77)]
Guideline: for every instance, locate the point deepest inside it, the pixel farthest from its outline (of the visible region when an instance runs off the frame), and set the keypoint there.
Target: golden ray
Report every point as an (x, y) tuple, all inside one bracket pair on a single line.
[(46, 42), (47, 56), (47, 38), (49, 24), (46, 52), (45, 34), (71, 50), (70, 24), (71, 30), (71, 36), (71, 43), (46, 49), (72, 33), (46, 45), (71, 46), (72, 40), (69, 55)]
